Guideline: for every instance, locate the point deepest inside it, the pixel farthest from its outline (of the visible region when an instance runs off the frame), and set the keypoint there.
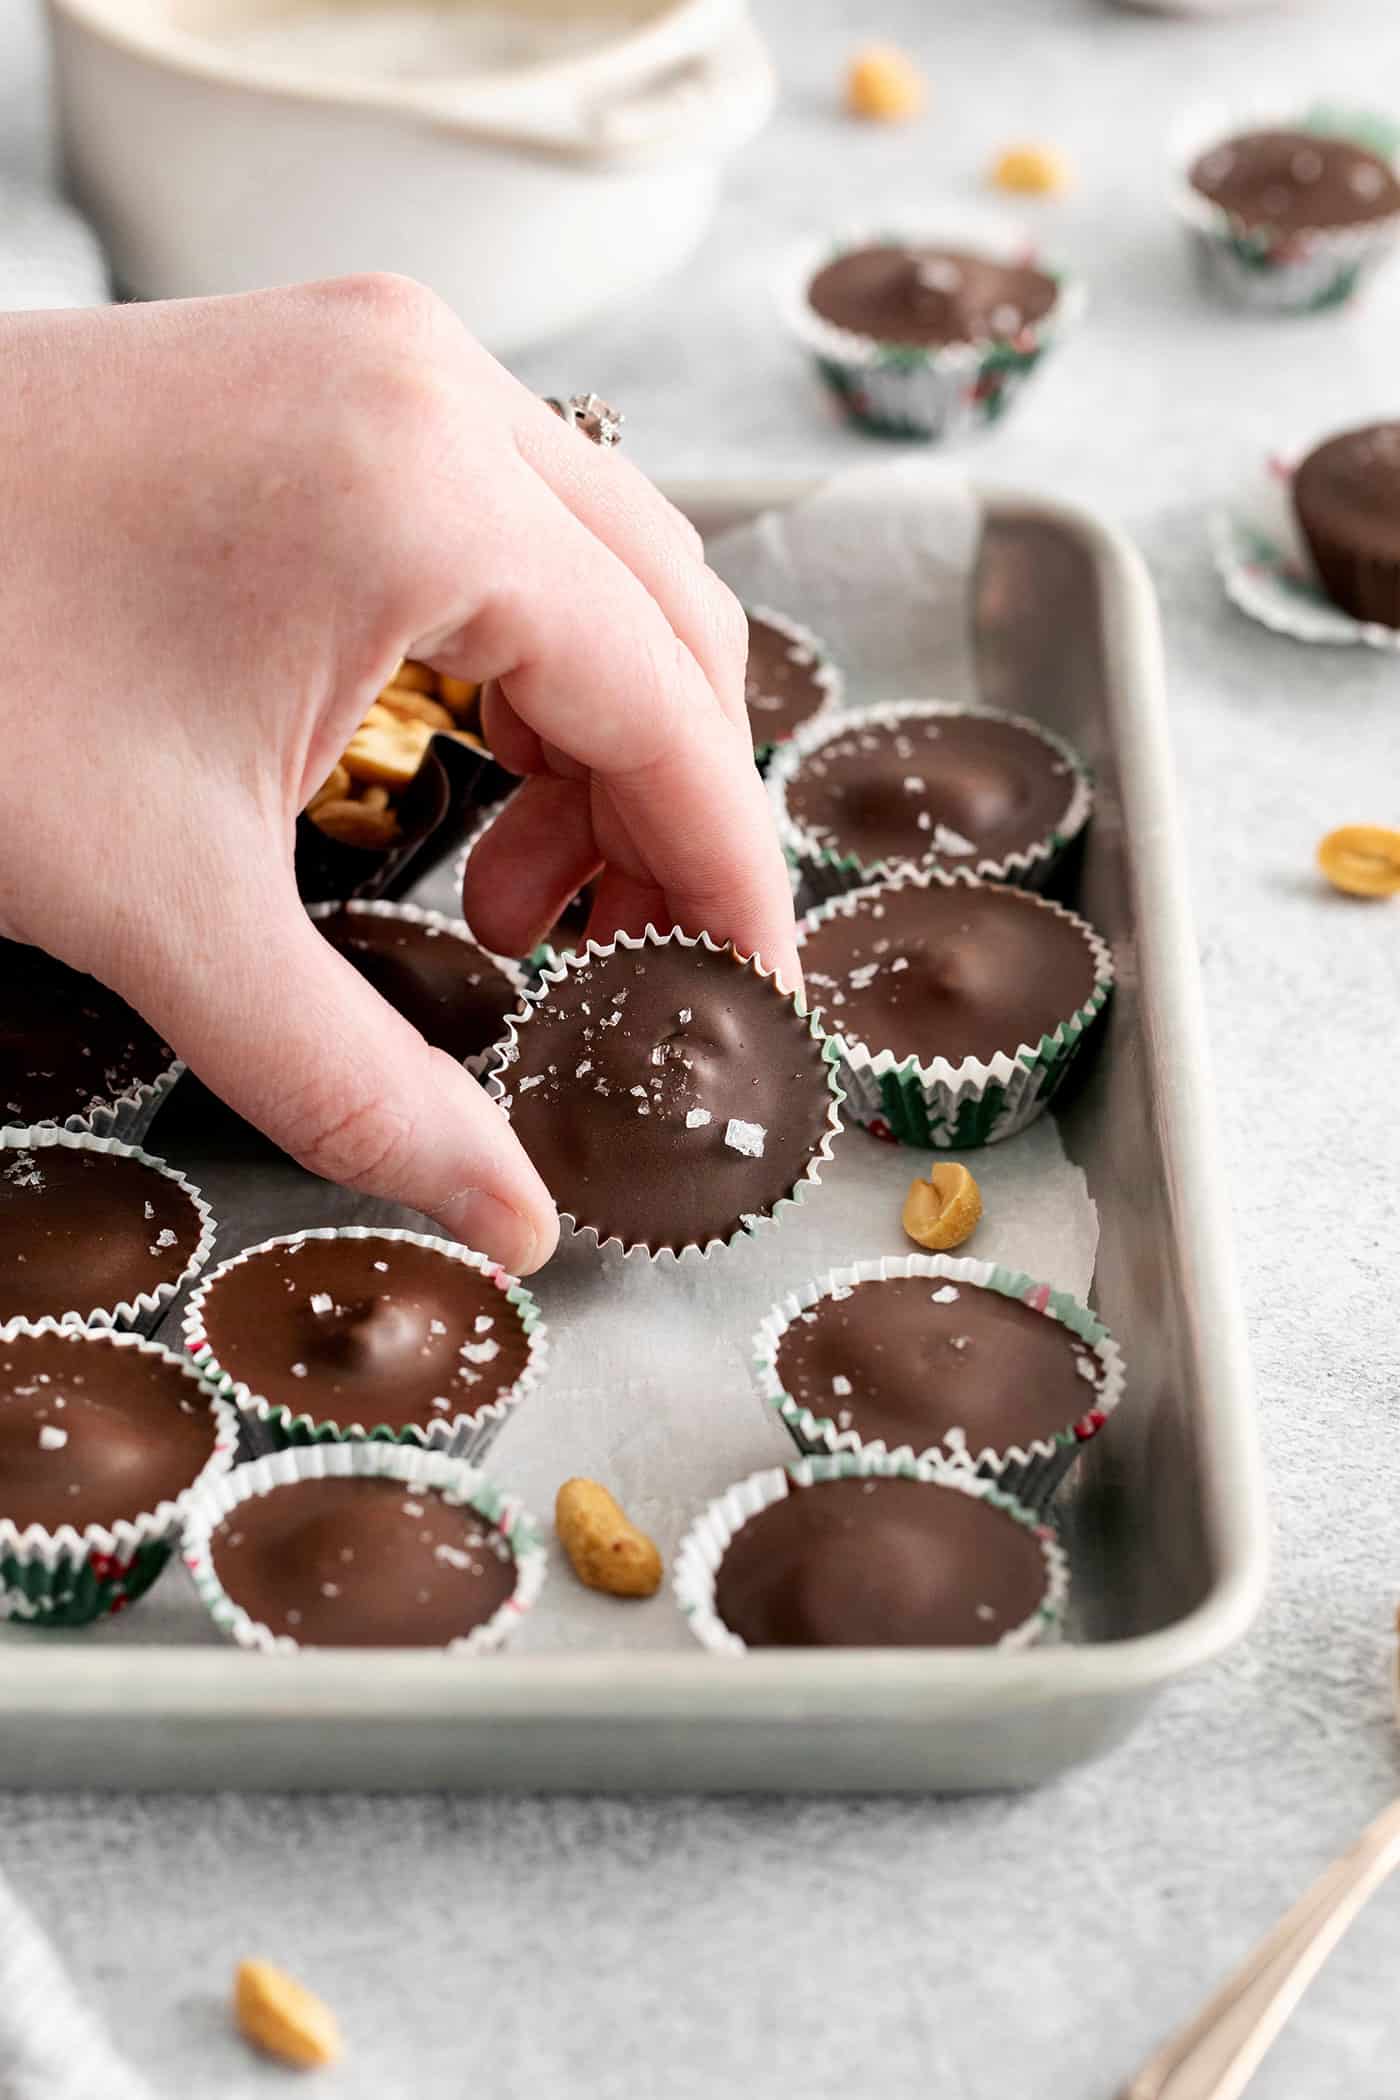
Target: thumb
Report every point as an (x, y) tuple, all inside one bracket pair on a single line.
[(289, 1034)]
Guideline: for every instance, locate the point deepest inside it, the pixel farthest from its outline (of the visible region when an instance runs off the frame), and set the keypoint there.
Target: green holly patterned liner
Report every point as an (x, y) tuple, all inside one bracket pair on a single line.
[(826, 673), (932, 392), (436, 922), (953, 1107), (145, 1311), (507, 1051), (706, 1543), (71, 1577), (423, 1472), (1031, 1473), (823, 870), (1268, 572), (274, 1425), (1265, 271)]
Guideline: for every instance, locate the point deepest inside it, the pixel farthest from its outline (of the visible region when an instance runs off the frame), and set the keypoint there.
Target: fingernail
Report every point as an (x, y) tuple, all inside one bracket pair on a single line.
[(489, 1226)]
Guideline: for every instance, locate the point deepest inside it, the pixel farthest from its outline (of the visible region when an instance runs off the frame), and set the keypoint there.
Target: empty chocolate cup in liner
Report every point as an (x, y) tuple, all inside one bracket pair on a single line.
[(73, 1574), (1032, 1468), (435, 813), (934, 1101), (73, 1054), (661, 1154), (928, 391), (802, 685), (1279, 269), (824, 866), (81, 1251), (465, 1026), (1046, 1590), (424, 1475), (378, 1347)]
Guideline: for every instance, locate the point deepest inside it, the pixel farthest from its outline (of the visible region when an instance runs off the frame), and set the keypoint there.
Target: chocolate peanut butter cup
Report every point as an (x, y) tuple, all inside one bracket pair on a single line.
[(927, 334), (430, 970), (941, 1357), (74, 1054), (790, 679), (1346, 495), (672, 1094), (102, 1438), (92, 1232), (366, 1545), (926, 783), (356, 1331), (959, 1006), (1292, 212), (863, 1551)]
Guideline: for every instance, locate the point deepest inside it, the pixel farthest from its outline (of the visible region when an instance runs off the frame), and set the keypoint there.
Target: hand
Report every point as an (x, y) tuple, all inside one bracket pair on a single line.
[(224, 522)]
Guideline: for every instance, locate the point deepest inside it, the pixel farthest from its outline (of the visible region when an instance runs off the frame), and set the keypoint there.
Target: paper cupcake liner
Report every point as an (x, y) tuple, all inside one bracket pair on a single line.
[(825, 671), (953, 1107), (507, 1051), (274, 1426), (426, 1472), (1267, 569), (145, 1311), (435, 922), (130, 1115), (825, 871), (72, 1576), (704, 1546), (1254, 267), (932, 392), (1031, 1473)]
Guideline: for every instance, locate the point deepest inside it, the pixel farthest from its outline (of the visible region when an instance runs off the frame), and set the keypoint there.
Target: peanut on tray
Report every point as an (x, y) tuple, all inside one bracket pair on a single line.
[(357, 803)]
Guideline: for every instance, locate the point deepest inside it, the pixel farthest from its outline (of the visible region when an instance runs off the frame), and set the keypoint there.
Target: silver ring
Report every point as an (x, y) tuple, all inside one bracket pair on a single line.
[(590, 415)]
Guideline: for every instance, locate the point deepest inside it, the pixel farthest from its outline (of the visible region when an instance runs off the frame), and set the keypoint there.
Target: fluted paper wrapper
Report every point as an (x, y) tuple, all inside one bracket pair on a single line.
[(953, 1107), (77, 1574), (273, 1424), (422, 1472), (440, 923), (1032, 1472), (705, 1545), (1268, 571)]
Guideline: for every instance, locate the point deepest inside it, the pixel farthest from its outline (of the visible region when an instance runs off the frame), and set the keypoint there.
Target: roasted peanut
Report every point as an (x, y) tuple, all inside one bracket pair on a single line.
[(605, 1549), (1362, 859), (1033, 171), (417, 707), (354, 824), (414, 678), (334, 788), (386, 748), (884, 84), (458, 693), (281, 2017), (944, 1210)]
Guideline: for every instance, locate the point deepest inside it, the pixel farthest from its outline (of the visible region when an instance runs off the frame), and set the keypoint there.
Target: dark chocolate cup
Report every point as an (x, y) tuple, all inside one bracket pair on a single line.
[(704, 1546)]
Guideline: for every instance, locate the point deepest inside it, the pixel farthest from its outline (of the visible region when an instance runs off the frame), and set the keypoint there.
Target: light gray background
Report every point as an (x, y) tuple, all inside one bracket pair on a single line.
[(1038, 1946)]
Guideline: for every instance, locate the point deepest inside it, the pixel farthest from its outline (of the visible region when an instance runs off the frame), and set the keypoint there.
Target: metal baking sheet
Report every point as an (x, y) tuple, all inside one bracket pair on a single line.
[(1165, 1525)]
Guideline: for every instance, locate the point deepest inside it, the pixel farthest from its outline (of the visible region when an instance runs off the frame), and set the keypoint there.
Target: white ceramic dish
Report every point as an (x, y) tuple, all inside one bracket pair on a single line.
[(221, 145)]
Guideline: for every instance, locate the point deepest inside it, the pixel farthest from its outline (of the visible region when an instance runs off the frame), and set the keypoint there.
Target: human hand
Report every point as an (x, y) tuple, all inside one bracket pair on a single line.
[(225, 521)]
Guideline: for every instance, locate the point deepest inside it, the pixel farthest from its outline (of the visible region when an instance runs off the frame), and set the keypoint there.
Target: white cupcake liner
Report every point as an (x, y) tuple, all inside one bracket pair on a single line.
[(1268, 572), (467, 1435), (508, 1050), (825, 871), (129, 1115), (826, 674), (438, 923), (1031, 1472), (952, 1107), (145, 1311), (927, 391), (705, 1544), (1304, 272), (73, 1575), (425, 1472)]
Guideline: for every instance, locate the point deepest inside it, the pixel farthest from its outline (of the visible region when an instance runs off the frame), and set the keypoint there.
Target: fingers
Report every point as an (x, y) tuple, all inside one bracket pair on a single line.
[(623, 905), (661, 547), (530, 865), (294, 1039), (588, 662)]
